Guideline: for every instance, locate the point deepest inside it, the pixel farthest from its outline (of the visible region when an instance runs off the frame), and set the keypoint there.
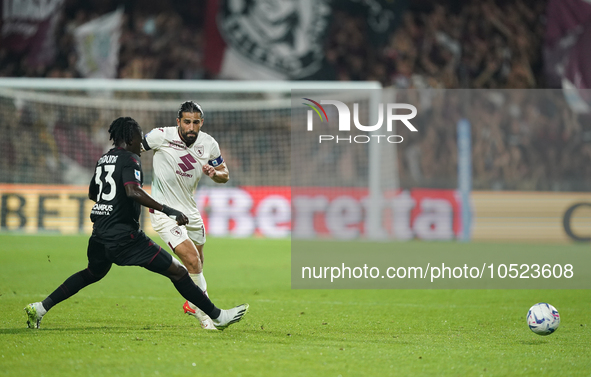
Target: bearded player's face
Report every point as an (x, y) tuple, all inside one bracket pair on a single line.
[(189, 125)]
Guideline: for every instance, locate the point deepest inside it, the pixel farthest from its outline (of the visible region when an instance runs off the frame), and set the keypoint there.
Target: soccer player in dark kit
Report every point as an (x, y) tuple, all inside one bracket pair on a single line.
[(116, 187)]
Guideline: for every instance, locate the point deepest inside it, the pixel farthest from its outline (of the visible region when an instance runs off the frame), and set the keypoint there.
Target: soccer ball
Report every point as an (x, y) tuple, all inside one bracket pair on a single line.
[(543, 318)]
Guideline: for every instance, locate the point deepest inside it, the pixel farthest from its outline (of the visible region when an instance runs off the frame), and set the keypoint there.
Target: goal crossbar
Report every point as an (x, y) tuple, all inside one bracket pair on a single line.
[(208, 86)]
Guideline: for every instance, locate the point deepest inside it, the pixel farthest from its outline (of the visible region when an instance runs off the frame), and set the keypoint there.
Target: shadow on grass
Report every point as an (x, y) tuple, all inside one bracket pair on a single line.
[(21, 331), (538, 342), (318, 339)]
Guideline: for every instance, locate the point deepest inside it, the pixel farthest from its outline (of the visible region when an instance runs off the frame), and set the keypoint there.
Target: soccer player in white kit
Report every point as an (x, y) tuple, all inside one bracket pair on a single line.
[(181, 155)]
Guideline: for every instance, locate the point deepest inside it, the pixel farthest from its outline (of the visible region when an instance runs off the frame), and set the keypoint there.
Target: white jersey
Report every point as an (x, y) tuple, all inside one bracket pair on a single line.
[(177, 168)]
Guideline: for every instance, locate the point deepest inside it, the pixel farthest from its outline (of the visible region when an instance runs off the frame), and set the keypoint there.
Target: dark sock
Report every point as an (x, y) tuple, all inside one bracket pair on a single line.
[(70, 287), (48, 303), (190, 291)]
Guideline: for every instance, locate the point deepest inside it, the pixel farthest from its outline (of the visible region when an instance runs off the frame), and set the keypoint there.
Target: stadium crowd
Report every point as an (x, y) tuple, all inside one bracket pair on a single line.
[(521, 140), (476, 44), (159, 40)]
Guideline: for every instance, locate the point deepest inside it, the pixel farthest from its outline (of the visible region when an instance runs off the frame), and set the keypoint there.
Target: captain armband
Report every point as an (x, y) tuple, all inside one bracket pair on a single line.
[(216, 161)]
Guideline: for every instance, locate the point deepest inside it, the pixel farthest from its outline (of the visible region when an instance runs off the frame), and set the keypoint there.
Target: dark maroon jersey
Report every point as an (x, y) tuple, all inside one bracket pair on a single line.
[(115, 215)]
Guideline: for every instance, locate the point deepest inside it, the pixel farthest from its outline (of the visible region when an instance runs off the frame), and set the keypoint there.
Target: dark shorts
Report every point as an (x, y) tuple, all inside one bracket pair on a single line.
[(137, 250)]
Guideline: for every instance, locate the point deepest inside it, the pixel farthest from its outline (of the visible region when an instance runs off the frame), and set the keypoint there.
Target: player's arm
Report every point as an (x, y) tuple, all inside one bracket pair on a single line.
[(132, 178), (216, 168), (219, 174), (93, 189), (138, 194), (153, 139)]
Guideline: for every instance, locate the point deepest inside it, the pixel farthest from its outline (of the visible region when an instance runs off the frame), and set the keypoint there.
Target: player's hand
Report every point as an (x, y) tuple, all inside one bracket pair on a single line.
[(209, 170), (180, 217)]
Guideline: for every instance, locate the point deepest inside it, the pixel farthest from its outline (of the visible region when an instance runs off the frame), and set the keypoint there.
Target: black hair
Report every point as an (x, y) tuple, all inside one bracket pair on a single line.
[(190, 107), (122, 129)]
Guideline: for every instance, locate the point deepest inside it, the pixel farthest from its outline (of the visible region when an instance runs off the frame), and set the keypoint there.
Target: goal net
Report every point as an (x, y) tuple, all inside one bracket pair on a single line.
[(55, 130), (53, 134)]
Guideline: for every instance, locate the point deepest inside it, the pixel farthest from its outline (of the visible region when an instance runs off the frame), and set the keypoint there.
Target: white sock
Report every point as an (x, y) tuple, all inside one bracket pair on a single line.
[(40, 309), (199, 281)]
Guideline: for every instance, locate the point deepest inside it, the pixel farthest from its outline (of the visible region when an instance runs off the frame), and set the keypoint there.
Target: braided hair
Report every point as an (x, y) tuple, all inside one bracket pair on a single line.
[(190, 107), (122, 130)]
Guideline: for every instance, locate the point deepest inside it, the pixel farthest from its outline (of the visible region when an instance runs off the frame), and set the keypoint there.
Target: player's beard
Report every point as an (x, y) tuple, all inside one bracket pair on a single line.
[(189, 137)]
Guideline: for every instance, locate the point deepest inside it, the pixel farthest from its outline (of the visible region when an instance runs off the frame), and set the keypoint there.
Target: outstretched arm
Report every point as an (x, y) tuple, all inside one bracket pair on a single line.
[(139, 195)]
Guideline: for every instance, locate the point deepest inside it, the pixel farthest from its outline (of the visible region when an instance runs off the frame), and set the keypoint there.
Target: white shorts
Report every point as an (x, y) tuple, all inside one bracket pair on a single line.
[(173, 234)]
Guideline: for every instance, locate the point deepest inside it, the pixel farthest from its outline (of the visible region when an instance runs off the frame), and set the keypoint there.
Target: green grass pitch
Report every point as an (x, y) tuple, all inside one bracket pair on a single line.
[(131, 323)]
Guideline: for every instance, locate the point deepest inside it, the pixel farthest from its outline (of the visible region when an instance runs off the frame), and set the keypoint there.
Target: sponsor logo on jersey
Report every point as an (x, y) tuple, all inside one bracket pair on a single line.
[(137, 175), (200, 149), (176, 231), (188, 162), (178, 145), (182, 174), (102, 209)]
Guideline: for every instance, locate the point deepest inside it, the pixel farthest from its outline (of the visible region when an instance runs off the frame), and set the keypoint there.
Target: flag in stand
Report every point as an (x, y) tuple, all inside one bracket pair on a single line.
[(257, 40), (29, 27), (97, 44), (567, 58)]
